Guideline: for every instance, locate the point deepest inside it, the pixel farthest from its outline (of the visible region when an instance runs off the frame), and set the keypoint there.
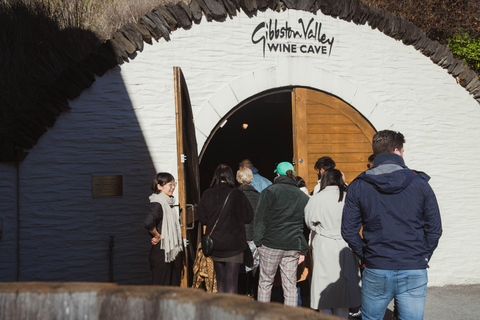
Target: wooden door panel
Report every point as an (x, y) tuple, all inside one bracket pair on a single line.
[(320, 109), (352, 167), (334, 137), (330, 127), (344, 157), (188, 172), (327, 119), (334, 128), (338, 147), (299, 119)]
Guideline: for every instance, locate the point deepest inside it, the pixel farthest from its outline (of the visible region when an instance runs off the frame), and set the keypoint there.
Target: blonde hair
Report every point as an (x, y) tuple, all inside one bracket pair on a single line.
[(244, 176)]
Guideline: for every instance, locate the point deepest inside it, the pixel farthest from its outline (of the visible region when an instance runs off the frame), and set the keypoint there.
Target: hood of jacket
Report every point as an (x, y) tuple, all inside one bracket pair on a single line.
[(285, 180), (389, 174)]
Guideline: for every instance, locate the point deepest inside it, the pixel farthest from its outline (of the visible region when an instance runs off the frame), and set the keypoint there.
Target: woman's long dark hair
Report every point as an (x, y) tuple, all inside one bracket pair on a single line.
[(300, 182), (333, 177), (223, 173)]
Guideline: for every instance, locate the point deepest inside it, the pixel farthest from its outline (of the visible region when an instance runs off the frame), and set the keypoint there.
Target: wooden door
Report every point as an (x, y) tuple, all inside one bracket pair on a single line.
[(188, 173), (324, 125)]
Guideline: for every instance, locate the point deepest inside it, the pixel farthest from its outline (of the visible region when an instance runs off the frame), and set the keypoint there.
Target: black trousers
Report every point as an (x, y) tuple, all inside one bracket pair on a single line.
[(163, 273)]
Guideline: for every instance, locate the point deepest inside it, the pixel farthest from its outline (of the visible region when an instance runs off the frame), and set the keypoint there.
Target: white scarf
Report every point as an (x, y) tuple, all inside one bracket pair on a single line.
[(171, 240)]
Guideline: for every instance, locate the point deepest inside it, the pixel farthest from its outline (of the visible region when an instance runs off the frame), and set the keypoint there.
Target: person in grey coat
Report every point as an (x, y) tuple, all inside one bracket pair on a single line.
[(336, 278)]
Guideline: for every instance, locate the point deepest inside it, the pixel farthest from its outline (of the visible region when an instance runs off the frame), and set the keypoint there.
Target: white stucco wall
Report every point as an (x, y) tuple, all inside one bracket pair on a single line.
[(125, 124)]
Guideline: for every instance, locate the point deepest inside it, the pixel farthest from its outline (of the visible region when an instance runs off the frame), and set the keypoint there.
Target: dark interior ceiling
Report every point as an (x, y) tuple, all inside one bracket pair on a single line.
[(266, 141)]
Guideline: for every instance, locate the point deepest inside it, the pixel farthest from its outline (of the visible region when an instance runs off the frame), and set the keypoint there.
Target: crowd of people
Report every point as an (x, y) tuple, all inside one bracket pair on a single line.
[(366, 243)]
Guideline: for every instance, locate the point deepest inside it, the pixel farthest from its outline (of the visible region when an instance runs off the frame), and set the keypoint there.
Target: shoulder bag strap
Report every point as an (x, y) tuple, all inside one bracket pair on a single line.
[(220, 212)]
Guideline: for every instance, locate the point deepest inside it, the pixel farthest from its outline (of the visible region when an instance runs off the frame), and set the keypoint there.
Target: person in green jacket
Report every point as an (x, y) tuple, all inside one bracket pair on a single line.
[(279, 234)]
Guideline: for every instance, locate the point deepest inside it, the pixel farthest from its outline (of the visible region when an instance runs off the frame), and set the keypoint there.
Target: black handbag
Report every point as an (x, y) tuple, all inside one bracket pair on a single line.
[(207, 241), (207, 245)]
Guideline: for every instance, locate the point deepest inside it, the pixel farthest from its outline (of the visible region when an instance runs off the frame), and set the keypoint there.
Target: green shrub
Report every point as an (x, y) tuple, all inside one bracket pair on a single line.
[(467, 48)]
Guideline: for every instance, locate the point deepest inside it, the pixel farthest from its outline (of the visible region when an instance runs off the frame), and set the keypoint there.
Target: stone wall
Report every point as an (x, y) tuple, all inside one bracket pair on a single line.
[(105, 301)]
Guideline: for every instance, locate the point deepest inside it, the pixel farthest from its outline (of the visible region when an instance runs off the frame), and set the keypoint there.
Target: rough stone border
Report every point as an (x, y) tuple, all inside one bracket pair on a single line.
[(164, 19), (104, 301)]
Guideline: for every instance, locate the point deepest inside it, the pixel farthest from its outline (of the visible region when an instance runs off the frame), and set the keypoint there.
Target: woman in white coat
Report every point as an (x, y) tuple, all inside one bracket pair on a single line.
[(336, 278)]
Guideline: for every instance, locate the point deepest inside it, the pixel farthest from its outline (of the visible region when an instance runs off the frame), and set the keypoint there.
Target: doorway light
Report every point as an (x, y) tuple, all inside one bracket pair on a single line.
[(245, 126)]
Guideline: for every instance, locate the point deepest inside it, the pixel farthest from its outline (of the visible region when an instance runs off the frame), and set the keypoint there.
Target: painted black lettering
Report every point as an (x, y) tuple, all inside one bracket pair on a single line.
[(256, 40), (268, 33), (274, 47)]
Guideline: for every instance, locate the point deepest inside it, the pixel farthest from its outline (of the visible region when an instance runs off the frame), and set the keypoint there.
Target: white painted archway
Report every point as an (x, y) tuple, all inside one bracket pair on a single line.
[(297, 73)]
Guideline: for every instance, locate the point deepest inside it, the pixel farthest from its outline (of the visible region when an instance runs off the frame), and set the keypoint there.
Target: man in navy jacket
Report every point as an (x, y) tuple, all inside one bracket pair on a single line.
[(401, 227)]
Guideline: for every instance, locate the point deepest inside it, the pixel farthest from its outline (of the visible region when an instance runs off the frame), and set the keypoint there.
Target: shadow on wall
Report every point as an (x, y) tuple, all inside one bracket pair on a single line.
[(39, 41), (58, 230)]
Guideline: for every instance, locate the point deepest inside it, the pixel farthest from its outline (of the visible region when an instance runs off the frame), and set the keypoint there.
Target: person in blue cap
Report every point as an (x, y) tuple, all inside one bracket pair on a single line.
[(279, 234)]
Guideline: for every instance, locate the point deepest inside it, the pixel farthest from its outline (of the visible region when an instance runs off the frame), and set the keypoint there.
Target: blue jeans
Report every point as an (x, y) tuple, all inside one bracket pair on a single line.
[(408, 287)]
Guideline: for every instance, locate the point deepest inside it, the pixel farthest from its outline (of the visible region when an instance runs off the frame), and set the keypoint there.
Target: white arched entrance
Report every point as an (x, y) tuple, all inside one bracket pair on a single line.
[(295, 72)]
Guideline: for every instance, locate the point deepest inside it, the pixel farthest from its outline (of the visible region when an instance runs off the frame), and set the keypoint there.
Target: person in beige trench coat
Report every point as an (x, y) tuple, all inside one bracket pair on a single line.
[(335, 283)]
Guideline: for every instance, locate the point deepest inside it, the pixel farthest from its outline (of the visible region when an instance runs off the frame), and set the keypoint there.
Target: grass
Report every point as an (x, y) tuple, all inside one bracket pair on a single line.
[(102, 17)]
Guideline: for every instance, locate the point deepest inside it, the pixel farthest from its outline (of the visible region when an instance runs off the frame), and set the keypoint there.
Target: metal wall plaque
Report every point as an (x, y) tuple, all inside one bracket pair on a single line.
[(107, 185)]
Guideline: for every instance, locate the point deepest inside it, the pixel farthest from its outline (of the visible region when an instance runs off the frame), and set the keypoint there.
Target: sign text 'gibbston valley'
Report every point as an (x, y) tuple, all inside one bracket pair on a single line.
[(310, 39)]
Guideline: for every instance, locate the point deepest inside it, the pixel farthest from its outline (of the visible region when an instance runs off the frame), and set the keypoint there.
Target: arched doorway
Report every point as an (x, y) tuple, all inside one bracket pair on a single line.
[(259, 129), (289, 124)]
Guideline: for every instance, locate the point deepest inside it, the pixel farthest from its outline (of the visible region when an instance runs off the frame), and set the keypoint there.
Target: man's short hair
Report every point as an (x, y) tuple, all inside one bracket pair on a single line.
[(324, 163), (244, 176), (246, 164), (386, 141)]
